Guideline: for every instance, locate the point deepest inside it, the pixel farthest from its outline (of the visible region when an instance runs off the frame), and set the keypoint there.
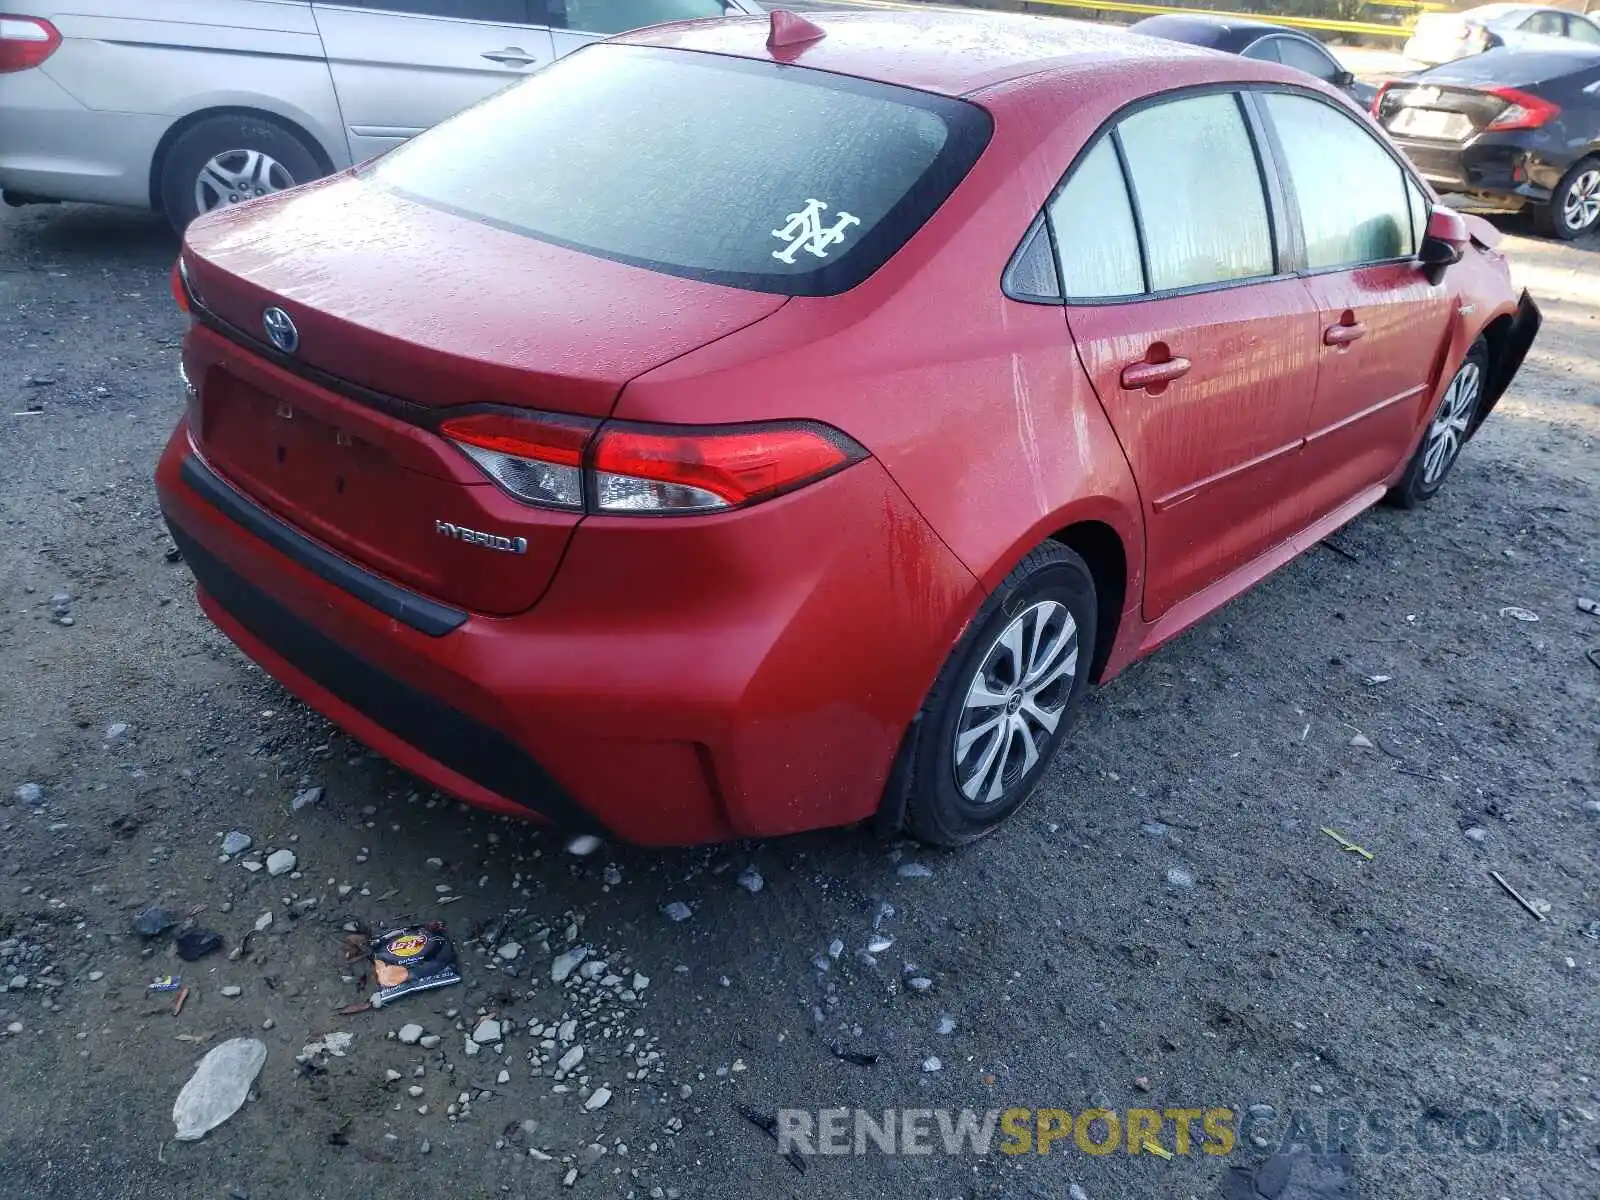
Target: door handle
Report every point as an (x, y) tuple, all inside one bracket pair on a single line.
[(1343, 334), (1140, 375), (510, 56)]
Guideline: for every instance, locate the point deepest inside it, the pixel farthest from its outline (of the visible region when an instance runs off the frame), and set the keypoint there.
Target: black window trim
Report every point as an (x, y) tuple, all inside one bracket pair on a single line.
[(1282, 214), (1278, 214), (1287, 180)]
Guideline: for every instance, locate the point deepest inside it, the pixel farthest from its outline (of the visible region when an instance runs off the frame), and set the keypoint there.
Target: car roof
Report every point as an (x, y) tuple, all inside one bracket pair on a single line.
[(1514, 67), (1219, 33), (953, 51)]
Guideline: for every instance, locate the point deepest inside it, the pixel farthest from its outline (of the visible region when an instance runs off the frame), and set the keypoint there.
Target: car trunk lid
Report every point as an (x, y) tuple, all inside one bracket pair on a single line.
[(402, 315), (1439, 112)]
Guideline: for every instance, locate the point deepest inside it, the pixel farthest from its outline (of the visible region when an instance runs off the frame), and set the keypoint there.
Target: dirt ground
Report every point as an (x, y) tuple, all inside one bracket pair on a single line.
[(1165, 927)]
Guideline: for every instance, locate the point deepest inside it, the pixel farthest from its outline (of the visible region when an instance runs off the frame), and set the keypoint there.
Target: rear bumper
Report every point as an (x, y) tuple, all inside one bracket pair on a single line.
[(54, 148), (682, 681), (1498, 172)]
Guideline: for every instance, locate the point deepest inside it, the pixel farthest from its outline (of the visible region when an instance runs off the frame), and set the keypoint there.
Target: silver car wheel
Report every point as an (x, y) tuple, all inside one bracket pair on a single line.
[(1581, 206), (1016, 700), (1449, 428), (238, 175)]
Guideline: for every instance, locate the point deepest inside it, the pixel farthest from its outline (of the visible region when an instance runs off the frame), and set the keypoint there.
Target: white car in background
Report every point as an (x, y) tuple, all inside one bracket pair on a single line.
[(1441, 37), (189, 105)]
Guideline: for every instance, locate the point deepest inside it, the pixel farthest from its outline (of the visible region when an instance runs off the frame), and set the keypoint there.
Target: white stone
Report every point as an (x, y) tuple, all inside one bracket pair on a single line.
[(509, 951), (280, 862), (598, 1100), (410, 1034), (565, 964), (487, 1032)]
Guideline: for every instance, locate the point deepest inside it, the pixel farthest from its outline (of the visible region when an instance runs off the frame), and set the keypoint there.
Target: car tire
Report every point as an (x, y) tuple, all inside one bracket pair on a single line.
[(1449, 427), (1574, 207), (1039, 624), (257, 154)]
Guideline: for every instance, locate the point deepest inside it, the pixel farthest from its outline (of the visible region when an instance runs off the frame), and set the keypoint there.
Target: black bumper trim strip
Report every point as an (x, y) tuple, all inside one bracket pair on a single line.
[(450, 737), (422, 614)]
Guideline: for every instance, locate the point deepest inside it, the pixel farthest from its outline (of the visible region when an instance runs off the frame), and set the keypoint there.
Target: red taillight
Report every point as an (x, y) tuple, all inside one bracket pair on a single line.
[(25, 42), (559, 462), (655, 470), (1522, 111), (180, 286), (537, 457)]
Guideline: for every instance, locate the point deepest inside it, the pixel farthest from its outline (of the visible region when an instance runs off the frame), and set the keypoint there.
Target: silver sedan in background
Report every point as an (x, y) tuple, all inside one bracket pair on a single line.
[(189, 105), (1441, 37)]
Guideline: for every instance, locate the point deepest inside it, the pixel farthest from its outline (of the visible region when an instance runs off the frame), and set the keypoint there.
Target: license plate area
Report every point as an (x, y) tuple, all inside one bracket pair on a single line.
[(289, 454), (1432, 123)]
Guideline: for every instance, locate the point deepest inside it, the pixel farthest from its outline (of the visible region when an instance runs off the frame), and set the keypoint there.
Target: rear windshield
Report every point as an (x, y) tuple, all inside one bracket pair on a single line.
[(748, 173)]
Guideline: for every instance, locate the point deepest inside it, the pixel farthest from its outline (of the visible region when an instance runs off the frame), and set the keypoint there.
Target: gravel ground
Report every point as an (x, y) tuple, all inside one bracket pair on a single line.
[(1165, 927)]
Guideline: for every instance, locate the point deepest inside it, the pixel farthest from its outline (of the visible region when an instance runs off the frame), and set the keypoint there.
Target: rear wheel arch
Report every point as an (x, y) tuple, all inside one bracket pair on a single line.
[(294, 129), (1102, 550)]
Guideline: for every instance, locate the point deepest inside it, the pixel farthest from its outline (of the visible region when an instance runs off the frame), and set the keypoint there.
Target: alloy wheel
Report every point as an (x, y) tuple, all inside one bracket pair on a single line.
[(235, 176), (1449, 428), (1580, 208), (1015, 702)]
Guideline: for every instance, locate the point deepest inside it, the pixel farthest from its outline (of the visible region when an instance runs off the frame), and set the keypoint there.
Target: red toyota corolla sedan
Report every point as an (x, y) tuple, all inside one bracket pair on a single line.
[(741, 428)]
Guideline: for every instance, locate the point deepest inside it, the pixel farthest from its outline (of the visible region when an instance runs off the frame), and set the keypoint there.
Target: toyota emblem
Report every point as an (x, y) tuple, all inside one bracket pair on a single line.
[(280, 330)]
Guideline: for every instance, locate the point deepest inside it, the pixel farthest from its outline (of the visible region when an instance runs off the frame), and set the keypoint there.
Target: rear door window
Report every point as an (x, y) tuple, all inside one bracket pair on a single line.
[(1583, 30), (1549, 24), (1305, 57), (736, 171), (1097, 245), (1350, 192), (1199, 193)]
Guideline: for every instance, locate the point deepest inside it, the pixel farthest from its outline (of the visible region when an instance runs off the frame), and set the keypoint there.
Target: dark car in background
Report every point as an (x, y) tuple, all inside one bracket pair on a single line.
[(1505, 131), (1258, 39)]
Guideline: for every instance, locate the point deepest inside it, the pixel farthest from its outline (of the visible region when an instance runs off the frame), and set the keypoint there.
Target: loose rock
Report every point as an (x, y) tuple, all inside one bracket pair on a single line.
[(234, 842), (565, 964), (487, 1032), (281, 862), (410, 1035)]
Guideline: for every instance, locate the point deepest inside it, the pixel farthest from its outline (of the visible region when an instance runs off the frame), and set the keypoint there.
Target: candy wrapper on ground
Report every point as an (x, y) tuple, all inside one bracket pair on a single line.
[(412, 958)]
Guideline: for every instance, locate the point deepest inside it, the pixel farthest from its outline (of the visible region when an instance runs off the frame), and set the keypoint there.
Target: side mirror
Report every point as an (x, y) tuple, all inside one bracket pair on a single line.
[(1444, 243), (1344, 79)]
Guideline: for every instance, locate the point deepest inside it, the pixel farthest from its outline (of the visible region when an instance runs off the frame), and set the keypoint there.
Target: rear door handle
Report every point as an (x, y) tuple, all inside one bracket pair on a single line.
[(511, 56), (1140, 375), (1342, 334)]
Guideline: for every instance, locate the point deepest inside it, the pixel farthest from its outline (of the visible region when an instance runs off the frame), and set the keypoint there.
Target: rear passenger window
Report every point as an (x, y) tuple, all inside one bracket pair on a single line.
[(1096, 245), (1199, 192), (619, 16), (1295, 53), (1352, 198)]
